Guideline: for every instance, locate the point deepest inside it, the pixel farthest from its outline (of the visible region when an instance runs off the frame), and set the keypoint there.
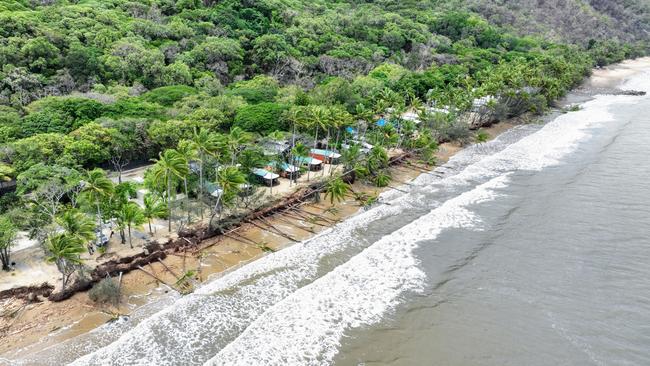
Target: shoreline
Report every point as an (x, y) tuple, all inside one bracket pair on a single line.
[(46, 323)]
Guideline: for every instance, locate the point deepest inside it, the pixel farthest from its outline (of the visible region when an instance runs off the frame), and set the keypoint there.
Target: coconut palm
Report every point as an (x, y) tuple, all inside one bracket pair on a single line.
[(235, 141), (130, 216), (77, 225), (336, 190), (97, 187), (206, 144), (187, 150), (229, 179), (169, 165), (64, 251), (301, 151), (154, 208), (122, 193)]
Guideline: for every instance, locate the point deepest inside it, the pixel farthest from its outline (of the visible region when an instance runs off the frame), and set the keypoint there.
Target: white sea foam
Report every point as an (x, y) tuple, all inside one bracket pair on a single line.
[(245, 307), (305, 328)]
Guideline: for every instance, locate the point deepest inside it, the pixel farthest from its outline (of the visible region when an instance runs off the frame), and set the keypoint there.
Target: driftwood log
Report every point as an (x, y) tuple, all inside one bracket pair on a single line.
[(27, 292)]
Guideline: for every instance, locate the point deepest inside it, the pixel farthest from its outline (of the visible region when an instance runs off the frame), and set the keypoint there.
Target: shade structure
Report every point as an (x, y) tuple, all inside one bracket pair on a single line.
[(328, 156), (311, 162), (265, 174)]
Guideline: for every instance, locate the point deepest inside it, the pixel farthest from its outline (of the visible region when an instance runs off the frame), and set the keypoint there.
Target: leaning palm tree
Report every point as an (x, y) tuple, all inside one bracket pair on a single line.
[(77, 225), (205, 144), (131, 215), (336, 189), (64, 251), (169, 165), (97, 187), (154, 208)]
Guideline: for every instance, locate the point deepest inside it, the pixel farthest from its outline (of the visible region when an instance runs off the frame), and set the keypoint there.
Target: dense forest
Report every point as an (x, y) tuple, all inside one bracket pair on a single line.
[(114, 83)]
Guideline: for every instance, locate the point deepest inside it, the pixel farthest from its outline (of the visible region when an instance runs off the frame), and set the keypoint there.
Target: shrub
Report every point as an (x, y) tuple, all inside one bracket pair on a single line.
[(168, 95), (262, 118), (105, 291)]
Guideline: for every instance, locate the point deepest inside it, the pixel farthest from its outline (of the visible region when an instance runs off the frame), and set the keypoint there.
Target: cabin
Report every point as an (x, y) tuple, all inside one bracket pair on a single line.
[(328, 156), (266, 177), (312, 163), (286, 170)]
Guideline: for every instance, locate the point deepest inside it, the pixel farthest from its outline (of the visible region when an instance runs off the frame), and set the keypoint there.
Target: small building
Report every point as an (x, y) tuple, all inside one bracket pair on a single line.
[(327, 156), (266, 177), (286, 170), (312, 163)]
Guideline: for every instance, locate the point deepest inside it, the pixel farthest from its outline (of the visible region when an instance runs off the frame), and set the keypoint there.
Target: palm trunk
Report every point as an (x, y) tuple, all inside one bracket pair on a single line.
[(201, 184), (169, 204), (187, 200), (130, 239), (150, 231), (327, 145)]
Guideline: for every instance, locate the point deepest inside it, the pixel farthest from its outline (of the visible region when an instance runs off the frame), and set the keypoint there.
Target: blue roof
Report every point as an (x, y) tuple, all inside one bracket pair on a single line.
[(350, 130), (381, 122), (305, 159)]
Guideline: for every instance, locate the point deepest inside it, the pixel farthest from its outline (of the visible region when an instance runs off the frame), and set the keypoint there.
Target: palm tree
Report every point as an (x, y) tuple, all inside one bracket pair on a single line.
[(350, 158), (153, 208), (64, 251), (77, 225), (186, 149), (130, 216), (301, 151), (206, 144), (169, 165), (96, 186), (229, 180), (336, 189), (235, 140)]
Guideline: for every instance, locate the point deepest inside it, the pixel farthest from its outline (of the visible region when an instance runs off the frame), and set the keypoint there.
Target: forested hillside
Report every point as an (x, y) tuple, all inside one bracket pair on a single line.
[(108, 83), (570, 20)]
